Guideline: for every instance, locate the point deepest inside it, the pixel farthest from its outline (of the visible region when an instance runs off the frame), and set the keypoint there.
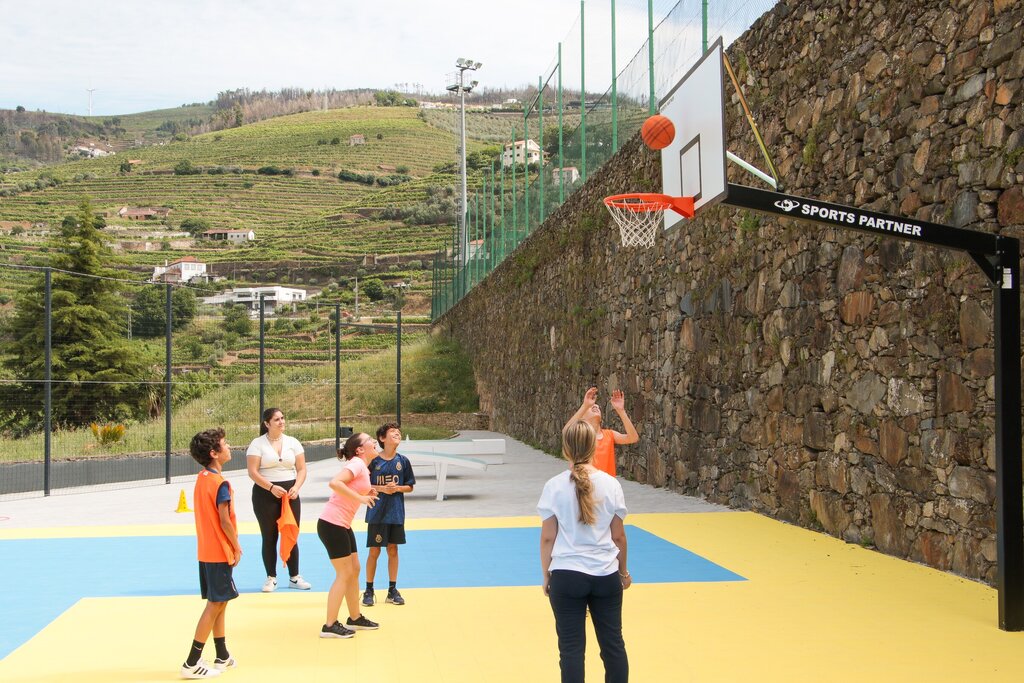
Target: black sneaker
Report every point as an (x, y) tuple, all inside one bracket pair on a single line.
[(394, 597), (336, 630), (361, 624), (368, 598)]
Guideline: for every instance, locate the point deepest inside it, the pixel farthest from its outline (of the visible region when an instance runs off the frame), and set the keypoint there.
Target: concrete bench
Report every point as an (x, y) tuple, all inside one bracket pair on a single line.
[(490, 451), (441, 463)]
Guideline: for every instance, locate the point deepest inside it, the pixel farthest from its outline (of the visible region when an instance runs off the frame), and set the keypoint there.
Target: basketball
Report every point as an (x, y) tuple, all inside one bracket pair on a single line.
[(658, 132)]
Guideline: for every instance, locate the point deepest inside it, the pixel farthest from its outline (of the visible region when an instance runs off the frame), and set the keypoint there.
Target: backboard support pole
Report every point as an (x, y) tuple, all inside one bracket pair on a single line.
[(999, 258)]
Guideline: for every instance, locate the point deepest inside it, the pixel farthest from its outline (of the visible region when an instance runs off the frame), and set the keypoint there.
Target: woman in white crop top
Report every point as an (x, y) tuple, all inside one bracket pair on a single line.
[(277, 467)]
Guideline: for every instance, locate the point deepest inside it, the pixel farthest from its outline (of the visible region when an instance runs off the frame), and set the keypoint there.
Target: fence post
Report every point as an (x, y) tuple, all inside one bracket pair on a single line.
[(48, 383), (704, 26), (167, 384), (337, 375), (540, 141), (486, 236), (526, 173), (398, 372), (561, 154), (615, 93), (493, 253), (501, 196), (476, 235), (583, 99), (652, 105), (262, 359), (515, 199)]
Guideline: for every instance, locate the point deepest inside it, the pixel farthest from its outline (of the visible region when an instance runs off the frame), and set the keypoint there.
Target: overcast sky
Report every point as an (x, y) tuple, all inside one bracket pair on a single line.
[(141, 54)]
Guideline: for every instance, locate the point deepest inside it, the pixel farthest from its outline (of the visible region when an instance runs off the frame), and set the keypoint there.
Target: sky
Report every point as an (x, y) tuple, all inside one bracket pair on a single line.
[(140, 55)]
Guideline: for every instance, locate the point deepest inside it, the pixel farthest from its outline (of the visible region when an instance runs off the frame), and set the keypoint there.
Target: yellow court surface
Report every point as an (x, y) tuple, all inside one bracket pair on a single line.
[(797, 606)]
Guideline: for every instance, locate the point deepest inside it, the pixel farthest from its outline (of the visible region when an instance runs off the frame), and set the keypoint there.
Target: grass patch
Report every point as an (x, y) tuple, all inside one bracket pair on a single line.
[(436, 377)]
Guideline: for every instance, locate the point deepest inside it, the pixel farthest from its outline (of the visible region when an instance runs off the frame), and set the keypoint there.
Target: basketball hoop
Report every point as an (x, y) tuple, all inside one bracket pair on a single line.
[(638, 214)]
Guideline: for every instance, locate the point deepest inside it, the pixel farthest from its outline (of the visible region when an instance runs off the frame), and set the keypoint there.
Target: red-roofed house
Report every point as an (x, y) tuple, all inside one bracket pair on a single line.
[(143, 213)]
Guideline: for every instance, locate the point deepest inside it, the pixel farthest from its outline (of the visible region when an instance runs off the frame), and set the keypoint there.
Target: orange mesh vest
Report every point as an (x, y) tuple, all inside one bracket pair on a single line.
[(213, 543), (604, 452)]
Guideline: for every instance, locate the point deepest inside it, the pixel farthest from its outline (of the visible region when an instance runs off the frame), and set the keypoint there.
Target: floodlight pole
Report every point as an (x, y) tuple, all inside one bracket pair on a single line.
[(998, 256), (461, 88), (463, 202)]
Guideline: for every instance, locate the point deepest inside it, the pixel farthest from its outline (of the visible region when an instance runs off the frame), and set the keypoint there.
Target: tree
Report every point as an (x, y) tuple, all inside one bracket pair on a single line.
[(98, 375), (195, 226), (150, 306), (237, 320), (374, 289), (186, 167)]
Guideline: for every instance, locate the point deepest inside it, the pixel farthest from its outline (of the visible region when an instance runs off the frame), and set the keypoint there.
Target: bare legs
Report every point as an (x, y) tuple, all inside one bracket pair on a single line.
[(212, 619), (371, 562), (344, 589)]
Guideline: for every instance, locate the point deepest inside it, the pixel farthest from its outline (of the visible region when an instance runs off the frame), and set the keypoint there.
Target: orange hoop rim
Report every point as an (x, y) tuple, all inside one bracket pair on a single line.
[(642, 202)]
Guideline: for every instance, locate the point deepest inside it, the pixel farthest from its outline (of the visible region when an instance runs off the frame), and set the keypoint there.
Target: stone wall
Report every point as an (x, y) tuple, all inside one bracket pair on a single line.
[(838, 381)]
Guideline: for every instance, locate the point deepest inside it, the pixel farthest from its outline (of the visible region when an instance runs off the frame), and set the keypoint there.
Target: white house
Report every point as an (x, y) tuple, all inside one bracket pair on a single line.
[(232, 236), (570, 174), (182, 270), (274, 297), (520, 152), (91, 151)]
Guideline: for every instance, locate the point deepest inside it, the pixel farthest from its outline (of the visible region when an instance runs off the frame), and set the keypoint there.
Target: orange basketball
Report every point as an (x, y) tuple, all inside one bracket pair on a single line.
[(658, 132)]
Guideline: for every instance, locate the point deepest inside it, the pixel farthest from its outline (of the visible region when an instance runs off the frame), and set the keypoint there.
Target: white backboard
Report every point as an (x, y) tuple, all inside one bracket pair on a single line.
[(694, 164)]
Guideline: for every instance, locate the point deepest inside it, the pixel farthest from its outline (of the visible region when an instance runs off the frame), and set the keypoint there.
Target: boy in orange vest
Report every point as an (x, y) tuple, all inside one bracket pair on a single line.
[(218, 550)]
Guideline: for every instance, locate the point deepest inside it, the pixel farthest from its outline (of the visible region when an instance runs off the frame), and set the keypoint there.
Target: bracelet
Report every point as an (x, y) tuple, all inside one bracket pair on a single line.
[(626, 575)]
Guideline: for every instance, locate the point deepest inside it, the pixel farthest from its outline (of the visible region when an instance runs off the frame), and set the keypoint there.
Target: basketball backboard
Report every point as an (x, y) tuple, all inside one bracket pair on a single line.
[(693, 165)]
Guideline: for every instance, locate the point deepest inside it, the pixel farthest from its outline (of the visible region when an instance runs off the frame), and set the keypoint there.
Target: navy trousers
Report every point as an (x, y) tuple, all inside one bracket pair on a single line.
[(571, 593)]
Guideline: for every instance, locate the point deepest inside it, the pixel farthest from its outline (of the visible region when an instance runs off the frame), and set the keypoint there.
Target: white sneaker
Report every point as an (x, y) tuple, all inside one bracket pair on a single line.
[(270, 585), (224, 664), (299, 583), (200, 670)]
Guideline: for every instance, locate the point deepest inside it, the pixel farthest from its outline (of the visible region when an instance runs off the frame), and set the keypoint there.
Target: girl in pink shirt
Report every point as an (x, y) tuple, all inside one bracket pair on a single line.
[(350, 488)]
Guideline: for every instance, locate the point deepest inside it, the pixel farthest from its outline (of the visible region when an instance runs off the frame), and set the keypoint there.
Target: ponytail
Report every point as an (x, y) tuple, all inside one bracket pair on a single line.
[(578, 441)]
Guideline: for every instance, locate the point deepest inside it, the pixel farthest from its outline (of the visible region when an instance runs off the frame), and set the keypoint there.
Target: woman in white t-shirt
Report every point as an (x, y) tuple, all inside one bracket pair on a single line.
[(583, 557), (277, 467)]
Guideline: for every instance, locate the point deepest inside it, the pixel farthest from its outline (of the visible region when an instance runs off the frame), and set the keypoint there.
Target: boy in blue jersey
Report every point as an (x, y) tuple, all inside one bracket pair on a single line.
[(391, 476)]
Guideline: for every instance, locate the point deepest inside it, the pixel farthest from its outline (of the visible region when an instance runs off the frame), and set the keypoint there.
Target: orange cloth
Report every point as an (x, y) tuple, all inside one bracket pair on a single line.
[(213, 543), (288, 529), (604, 452)]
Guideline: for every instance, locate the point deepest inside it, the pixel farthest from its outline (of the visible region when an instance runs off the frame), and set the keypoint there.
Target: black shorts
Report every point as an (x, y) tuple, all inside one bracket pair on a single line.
[(380, 535), (339, 541), (215, 582)]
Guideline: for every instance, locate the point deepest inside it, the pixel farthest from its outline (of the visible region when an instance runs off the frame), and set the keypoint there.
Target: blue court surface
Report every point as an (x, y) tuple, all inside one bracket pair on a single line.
[(47, 576)]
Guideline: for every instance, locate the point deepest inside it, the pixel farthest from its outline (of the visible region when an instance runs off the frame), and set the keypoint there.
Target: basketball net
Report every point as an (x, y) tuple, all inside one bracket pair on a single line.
[(638, 215)]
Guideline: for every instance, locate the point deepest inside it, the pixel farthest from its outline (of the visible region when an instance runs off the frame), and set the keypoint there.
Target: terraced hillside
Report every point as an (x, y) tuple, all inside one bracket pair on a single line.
[(307, 215)]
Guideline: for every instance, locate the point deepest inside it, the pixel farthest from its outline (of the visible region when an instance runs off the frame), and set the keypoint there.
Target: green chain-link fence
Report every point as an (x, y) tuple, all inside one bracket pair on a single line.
[(586, 104)]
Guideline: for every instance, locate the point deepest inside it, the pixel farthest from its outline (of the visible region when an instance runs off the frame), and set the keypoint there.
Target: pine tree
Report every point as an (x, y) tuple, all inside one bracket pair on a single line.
[(96, 375)]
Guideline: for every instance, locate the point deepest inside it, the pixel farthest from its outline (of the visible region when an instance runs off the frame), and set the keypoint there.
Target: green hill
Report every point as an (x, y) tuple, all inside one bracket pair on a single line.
[(302, 213)]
